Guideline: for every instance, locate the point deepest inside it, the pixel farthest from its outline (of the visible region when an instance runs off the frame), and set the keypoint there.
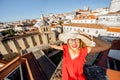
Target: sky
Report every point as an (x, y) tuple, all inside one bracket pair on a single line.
[(14, 10)]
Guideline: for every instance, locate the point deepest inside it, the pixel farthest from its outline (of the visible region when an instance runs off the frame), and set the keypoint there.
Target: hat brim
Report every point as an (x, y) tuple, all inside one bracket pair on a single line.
[(68, 35), (86, 40)]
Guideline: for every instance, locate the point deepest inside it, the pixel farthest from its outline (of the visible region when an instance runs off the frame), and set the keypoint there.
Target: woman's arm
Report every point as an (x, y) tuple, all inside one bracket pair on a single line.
[(56, 47), (101, 45)]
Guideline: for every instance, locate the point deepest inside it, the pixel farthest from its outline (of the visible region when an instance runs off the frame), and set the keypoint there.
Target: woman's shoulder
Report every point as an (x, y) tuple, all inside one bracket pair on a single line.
[(85, 49)]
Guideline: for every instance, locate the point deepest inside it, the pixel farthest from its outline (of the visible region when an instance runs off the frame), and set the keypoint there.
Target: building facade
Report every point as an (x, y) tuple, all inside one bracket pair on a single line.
[(114, 6)]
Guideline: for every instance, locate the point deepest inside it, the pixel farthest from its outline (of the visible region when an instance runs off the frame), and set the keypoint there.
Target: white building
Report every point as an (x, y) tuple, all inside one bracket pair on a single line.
[(114, 6), (113, 31), (69, 16), (93, 29), (18, 28), (91, 19), (110, 19), (101, 11)]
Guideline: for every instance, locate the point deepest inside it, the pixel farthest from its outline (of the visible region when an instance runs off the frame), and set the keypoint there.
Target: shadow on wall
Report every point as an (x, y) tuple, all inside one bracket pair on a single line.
[(9, 57)]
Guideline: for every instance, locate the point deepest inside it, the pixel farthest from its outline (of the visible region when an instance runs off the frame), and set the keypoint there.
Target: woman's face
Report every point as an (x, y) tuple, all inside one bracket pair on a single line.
[(74, 43)]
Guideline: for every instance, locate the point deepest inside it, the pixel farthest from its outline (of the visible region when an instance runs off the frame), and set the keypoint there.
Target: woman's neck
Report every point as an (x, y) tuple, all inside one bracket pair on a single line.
[(75, 51)]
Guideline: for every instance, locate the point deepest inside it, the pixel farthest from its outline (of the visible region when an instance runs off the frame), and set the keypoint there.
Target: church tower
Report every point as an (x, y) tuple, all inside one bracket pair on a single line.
[(114, 6)]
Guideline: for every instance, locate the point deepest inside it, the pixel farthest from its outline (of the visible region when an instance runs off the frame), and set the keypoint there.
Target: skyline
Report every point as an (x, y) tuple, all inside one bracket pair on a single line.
[(15, 10)]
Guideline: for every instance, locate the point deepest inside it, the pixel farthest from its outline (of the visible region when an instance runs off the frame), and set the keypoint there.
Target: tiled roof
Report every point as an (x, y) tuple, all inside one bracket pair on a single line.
[(83, 11), (114, 12), (98, 26), (113, 29), (85, 16), (113, 74), (92, 17), (76, 18)]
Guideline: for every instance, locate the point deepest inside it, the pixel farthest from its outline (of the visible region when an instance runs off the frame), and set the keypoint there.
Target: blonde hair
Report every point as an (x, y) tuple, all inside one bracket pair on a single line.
[(82, 44)]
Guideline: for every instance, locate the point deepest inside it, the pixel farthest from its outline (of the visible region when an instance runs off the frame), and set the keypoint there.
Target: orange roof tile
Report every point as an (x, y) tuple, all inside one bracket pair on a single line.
[(94, 12), (113, 12), (53, 25), (98, 26), (113, 74), (113, 29), (85, 16), (76, 18), (83, 11), (92, 17)]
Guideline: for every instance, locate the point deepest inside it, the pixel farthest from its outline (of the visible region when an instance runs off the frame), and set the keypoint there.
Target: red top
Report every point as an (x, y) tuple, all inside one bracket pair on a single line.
[(72, 69)]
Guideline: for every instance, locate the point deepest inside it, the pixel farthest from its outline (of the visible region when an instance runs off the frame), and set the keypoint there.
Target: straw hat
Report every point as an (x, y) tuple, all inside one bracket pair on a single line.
[(74, 34)]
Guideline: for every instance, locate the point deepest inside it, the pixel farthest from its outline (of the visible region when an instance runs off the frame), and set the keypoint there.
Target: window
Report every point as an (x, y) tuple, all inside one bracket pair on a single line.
[(96, 32), (83, 30), (103, 18), (107, 19), (91, 21), (15, 75), (67, 28), (88, 31), (74, 29), (118, 19)]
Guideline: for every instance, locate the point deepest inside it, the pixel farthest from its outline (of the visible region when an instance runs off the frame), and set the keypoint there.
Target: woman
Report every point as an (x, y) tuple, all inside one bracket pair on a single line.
[(77, 46)]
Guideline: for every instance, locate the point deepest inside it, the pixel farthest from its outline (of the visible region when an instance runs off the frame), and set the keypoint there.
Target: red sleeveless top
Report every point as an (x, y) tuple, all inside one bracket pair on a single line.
[(72, 69)]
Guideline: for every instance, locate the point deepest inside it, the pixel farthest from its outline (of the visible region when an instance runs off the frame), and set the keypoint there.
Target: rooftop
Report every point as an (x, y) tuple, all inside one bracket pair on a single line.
[(98, 26), (37, 65), (113, 29)]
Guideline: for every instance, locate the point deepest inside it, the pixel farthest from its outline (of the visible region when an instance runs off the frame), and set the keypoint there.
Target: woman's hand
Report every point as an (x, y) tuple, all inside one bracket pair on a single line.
[(80, 32), (86, 35)]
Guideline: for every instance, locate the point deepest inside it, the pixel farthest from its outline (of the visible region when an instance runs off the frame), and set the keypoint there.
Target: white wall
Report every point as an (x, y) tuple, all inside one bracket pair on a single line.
[(115, 5), (91, 31), (110, 20)]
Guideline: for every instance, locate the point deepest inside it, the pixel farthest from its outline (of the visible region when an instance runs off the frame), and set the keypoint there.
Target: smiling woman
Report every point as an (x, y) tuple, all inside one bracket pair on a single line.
[(75, 49)]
